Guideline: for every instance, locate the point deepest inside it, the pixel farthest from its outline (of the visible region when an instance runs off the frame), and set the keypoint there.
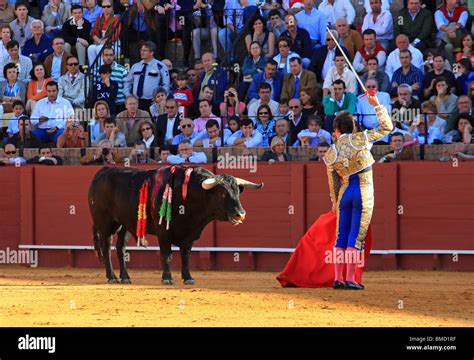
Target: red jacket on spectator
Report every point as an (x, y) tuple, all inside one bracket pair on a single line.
[(107, 25), (366, 56)]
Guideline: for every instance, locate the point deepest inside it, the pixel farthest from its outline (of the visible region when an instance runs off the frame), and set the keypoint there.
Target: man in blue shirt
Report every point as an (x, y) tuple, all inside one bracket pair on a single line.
[(301, 41), (186, 154), (367, 116), (216, 78), (39, 46), (50, 114), (247, 136), (271, 76), (92, 11), (407, 74), (146, 76), (186, 126), (313, 22)]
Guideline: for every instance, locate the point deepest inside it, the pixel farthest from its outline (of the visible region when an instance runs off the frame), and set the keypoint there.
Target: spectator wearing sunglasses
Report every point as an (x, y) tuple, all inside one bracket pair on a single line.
[(71, 84), (167, 124), (186, 126), (11, 156), (323, 57), (186, 154), (297, 119), (147, 134), (265, 124)]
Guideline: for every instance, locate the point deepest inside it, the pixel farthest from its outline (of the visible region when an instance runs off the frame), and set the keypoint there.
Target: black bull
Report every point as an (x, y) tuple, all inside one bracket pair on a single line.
[(113, 202)]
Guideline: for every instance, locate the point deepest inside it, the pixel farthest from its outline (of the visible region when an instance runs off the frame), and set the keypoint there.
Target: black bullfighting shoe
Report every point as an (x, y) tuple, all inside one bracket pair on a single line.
[(338, 285), (354, 286)]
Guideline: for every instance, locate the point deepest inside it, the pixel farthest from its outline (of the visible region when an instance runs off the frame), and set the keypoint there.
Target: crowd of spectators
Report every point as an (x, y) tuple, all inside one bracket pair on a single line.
[(271, 75)]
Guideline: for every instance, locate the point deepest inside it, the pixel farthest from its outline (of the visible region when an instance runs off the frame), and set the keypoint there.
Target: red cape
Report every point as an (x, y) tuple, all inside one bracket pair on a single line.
[(311, 264)]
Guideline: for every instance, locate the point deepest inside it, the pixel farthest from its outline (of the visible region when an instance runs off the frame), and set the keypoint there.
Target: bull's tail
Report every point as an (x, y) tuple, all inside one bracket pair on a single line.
[(97, 248)]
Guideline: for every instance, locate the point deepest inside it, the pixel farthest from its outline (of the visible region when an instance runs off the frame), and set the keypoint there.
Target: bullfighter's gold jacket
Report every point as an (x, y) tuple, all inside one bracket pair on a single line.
[(351, 153)]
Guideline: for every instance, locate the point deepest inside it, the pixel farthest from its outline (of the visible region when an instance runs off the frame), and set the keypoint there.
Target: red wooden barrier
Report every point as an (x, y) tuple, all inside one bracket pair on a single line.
[(418, 205)]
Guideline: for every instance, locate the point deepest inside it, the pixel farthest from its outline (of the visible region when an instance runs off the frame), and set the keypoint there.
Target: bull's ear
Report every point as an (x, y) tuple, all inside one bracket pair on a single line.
[(209, 184)]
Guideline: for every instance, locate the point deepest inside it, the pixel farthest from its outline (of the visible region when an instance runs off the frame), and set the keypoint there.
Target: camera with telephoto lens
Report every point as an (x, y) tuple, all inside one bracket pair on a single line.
[(105, 151)]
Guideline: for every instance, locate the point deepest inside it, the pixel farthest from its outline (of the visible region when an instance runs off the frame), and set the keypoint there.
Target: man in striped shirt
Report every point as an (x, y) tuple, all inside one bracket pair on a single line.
[(119, 73)]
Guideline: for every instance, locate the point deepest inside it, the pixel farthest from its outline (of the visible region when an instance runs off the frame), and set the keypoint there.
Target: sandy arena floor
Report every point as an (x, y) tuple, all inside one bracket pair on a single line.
[(79, 297)]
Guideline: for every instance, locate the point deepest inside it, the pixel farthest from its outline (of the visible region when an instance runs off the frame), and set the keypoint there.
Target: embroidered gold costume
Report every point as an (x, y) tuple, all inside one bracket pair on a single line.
[(349, 168)]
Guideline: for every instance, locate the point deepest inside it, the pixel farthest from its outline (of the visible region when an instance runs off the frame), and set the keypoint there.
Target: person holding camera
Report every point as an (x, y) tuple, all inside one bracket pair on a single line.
[(102, 156), (73, 135), (139, 155), (231, 105)]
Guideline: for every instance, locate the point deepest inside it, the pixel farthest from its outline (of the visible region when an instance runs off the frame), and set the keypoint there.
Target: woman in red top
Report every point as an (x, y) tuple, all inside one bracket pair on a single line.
[(467, 51), (106, 30), (36, 86)]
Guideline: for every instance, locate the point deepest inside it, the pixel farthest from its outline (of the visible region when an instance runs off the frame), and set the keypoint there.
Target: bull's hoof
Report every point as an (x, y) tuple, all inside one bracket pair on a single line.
[(126, 281), (189, 282), (113, 281), (167, 282)]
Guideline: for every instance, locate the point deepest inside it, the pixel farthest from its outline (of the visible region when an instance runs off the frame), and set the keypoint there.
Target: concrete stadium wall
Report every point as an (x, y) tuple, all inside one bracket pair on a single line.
[(419, 206)]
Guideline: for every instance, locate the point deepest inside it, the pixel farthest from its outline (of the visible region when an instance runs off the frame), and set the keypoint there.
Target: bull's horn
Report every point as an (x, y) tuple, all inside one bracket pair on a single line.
[(209, 184), (248, 184)]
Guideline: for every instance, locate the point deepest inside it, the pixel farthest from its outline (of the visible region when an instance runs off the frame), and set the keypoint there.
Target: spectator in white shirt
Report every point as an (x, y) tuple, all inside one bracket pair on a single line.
[(264, 91), (247, 136), (314, 134), (210, 136), (385, 5), (367, 116), (186, 154), (337, 9), (113, 133), (340, 70), (50, 114), (380, 20), (393, 60), (451, 27), (372, 48)]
